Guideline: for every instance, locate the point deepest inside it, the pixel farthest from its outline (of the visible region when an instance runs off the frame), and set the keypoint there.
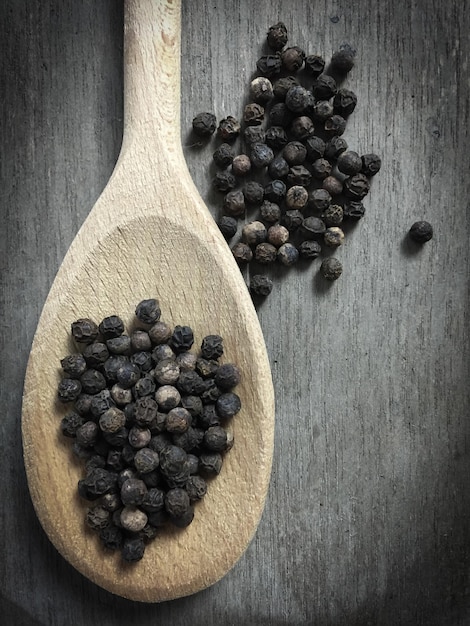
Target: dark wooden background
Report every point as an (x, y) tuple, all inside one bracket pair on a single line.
[(367, 519)]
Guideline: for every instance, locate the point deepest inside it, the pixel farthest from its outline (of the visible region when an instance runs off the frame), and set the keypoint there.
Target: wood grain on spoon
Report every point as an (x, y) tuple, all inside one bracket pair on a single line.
[(150, 235)]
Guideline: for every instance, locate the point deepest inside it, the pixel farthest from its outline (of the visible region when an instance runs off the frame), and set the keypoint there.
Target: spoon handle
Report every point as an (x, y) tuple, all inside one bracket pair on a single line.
[(152, 36)]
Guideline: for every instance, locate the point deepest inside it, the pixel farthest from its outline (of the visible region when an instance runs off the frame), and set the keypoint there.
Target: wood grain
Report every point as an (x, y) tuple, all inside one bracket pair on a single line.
[(367, 515), (149, 234)]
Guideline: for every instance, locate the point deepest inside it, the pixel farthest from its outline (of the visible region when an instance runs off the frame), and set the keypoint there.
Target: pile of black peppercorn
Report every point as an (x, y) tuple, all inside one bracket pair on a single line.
[(149, 420), (296, 169)]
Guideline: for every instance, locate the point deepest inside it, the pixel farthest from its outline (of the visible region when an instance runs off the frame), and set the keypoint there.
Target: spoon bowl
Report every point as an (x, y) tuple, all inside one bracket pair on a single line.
[(150, 235)]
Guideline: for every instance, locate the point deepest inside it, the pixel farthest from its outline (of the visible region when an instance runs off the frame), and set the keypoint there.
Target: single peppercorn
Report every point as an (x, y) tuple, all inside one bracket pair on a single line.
[(349, 162), (204, 124), (269, 65), (371, 164), (133, 549), (292, 58), (254, 134), (314, 65), (299, 175), (335, 147), (265, 253), (228, 128), (234, 203), (276, 137), (331, 268), (322, 110), (261, 155), (335, 125), (87, 434), (278, 235), (277, 36), (353, 209), (140, 340), (312, 227), (69, 389), (211, 463), (163, 351), (146, 460), (344, 102), (278, 168), (253, 193), (228, 226), (182, 338), (295, 153), (332, 185), (142, 360), (298, 99), (71, 423), (73, 365), (260, 285), (324, 87), (241, 165), (315, 147), (127, 375), (275, 191), (139, 437), (332, 215), (92, 381), (176, 502), (421, 232), (302, 127), (309, 249), (342, 60), (215, 439), (297, 197), (133, 491), (196, 488), (288, 254), (356, 187), (227, 376), (112, 420), (254, 233), (242, 253), (270, 212), (321, 169), (178, 420), (333, 237), (145, 410), (261, 89), (166, 372), (212, 347), (253, 114), (186, 361), (98, 517), (292, 219), (84, 330), (119, 345), (148, 311), (224, 155), (224, 181), (111, 326), (83, 403)]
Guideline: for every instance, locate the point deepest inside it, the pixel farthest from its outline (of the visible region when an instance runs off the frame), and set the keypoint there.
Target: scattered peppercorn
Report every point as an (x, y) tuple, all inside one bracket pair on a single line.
[(204, 124), (331, 268), (277, 36), (260, 285), (421, 232)]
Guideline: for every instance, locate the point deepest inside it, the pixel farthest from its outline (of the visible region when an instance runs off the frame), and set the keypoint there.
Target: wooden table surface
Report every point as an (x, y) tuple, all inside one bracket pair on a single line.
[(367, 518)]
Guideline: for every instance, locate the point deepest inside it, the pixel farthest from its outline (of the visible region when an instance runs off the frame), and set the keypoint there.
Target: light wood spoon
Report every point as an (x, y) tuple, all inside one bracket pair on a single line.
[(150, 235)]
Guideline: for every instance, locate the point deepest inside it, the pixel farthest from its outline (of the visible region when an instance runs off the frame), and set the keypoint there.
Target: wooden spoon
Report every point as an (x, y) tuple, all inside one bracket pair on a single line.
[(150, 235)]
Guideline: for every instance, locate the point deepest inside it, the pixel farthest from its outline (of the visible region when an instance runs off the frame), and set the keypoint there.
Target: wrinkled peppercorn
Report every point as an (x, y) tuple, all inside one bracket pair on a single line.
[(261, 89), (277, 36), (295, 153), (344, 102), (204, 124), (331, 268), (260, 285), (254, 233), (69, 389), (292, 58), (278, 235), (309, 249), (242, 253), (324, 87), (84, 330), (371, 164), (298, 99), (276, 137), (73, 365), (269, 65), (288, 254), (275, 191), (314, 65), (342, 60), (261, 155), (228, 128), (224, 155), (265, 253), (333, 237), (270, 211), (224, 181), (253, 114), (241, 165), (282, 85), (421, 232), (228, 226)]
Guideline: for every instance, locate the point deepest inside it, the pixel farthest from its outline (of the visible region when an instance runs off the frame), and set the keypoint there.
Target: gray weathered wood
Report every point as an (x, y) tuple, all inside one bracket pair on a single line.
[(367, 516)]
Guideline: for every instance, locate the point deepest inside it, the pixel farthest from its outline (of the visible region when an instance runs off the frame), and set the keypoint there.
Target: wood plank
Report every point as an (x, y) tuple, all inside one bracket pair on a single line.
[(366, 521)]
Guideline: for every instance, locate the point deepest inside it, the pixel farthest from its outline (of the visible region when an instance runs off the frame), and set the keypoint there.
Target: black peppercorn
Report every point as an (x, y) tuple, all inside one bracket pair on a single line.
[(260, 285), (92, 381), (353, 209), (154, 500), (292, 58), (133, 549), (146, 460), (174, 464), (344, 102), (261, 90), (297, 197), (334, 147), (253, 114), (278, 235), (116, 439), (142, 360), (119, 345), (335, 125), (211, 463), (253, 193), (356, 187), (270, 211), (228, 226), (212, 347), (322, 110), (349, 162), (334, 237), (140, 340), (324, 87), (278, 168), (275, 191), (204, 124), (69, 389), (332, 215), (176, 502), (254, 134), (83, 403), (224, 181), (167, 371), (269, 65), (276, 137), (299, 175), (139, 437), (321, 169), (215, 439), (277, 36), (95, 354), (70, 423), (228, 128), (421, 232), (309, 249), (101, 402), (331, 268), (229, 404), (112, 537), (178, 420), (145, 410), (295, 153), (371, 164), (302, 127), (315, 147), (234, 203), (87, 434), (314, 65), (292, 219), (196, 488), (73, 365), (312, 227), (227, 376), (84, 330), (193, 404), (342, 60), (167, 397), (265, 253), (163, 351), (189, 383), (298, 99), (98, 517), (242, 253), (112, 420), (241, 165), (261, 155), (133, 519), (133, 491), (332, 185), (111, 326), (182, 338), (224, 154), (127, 375)]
